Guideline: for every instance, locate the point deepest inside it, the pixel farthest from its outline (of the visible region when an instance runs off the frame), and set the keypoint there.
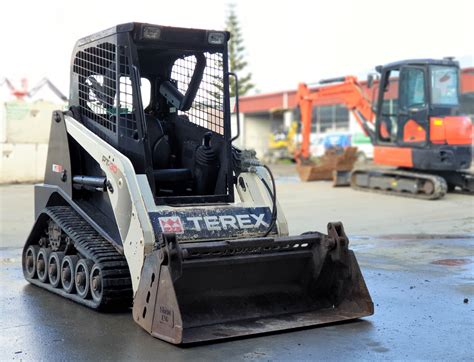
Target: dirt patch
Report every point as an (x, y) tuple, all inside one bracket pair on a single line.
[(451, 262)]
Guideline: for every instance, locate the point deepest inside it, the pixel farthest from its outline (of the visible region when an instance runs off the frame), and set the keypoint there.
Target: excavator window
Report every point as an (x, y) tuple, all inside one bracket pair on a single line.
[(387, 126), (412, 89), (444, 85)]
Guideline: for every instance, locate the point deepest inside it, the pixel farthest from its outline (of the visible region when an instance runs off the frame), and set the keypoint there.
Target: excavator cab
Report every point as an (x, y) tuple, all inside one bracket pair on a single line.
[(415, 126), (418, 121)]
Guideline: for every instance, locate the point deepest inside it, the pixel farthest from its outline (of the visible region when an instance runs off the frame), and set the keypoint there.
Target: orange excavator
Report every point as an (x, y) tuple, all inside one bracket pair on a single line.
[(416, 126)]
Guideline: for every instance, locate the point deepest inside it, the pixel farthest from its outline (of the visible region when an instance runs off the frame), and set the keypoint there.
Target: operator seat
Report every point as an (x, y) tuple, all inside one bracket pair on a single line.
[(161, 155), (160, 147)]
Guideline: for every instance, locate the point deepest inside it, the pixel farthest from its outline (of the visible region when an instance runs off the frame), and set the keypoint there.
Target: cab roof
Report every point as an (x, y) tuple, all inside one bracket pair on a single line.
[(168, 33)]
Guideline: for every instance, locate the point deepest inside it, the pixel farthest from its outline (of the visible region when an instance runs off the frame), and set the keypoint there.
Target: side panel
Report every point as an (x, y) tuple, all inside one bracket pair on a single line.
[(451, 130), (413, 132), (458, 130), (442, 158), (393, 156), (58, 163), (50, 195), (129, 209), (251, 191)]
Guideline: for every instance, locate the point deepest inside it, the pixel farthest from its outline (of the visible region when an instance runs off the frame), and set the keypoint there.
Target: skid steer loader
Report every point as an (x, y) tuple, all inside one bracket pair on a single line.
[(147, 203)]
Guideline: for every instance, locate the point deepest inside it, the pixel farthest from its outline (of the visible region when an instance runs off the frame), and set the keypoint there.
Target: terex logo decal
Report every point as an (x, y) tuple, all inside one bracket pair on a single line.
[(226, 222), (171, 224), (203, 223), (57, 168)]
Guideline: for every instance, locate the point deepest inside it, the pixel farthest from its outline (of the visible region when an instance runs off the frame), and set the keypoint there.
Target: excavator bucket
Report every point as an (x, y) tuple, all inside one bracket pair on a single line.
[(333, 163), (194, 292)]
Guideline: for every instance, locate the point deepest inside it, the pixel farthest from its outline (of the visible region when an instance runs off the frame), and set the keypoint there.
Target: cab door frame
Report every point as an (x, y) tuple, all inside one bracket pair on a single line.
[(413, 118)]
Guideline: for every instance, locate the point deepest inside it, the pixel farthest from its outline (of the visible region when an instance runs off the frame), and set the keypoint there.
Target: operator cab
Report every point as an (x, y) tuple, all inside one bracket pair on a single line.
[(411, 93), (181, 137)]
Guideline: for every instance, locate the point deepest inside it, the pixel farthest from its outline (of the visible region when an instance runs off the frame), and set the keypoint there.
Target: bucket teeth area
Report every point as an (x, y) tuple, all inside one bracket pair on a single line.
[(204, 291)]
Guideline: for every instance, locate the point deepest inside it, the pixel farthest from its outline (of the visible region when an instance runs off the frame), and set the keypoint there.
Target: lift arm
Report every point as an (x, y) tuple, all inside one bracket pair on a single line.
[(347, 91)]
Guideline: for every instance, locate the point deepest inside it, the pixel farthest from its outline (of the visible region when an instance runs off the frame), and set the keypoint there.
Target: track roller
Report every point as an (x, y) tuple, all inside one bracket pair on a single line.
[(96, 283), (30, 261), (54, 268), (42, 264), (68, 268), (82, 277)]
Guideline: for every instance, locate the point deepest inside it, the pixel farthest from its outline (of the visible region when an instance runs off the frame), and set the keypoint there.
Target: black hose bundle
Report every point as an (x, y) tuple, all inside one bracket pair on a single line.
[(273, 197)]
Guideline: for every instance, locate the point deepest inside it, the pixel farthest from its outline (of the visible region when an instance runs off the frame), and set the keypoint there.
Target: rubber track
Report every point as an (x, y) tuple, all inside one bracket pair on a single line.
[(117, 285), (440, 186)]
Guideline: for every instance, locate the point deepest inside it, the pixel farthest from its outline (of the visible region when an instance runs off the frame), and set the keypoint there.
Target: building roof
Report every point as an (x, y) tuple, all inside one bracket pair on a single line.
[(270, 102)]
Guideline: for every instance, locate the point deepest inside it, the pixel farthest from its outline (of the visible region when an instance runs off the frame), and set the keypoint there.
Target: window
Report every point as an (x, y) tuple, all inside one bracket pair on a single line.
[(95, 69), (444, 85), (145, 90), (387, 127), (207, 109), (97, 94), (326, 118), (412, 92), (314, 120), (390, 92), (330, 118), (126, 94), (341, 117)]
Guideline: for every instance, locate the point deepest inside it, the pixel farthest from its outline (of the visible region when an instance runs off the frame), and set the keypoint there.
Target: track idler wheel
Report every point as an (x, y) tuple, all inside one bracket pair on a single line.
[(42, 264), (428, 187), (54, 268), (68, 268), (96, 283), (82, 277), (30, 261)]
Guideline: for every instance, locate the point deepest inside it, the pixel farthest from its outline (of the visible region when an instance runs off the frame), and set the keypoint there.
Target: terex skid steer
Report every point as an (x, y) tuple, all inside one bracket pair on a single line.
[(147, 203)]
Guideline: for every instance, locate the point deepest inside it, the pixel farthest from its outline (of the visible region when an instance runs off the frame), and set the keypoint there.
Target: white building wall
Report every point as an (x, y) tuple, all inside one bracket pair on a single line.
[(254, 133), (353, 125), (24, 136)]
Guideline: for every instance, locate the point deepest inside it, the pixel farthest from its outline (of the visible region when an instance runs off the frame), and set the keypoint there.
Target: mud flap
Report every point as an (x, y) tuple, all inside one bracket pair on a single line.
[(193, 292)]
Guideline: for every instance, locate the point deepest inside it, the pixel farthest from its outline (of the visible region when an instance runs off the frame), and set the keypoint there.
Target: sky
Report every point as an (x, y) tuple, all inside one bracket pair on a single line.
[(286, 41)]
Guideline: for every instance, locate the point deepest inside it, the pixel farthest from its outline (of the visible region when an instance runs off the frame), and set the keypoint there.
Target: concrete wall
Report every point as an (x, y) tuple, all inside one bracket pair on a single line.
[(254, 133), (24, 134)]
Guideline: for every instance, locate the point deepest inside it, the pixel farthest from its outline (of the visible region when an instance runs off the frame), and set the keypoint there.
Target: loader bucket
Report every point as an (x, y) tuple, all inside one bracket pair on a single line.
[(193, 292), (334, 160)]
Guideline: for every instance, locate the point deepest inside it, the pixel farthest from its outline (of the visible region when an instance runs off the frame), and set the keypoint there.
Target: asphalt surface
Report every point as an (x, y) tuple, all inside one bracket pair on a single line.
[(416, 257)]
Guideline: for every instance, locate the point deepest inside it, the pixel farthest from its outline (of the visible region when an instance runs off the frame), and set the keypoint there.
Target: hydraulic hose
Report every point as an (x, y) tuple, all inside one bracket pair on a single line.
[(272, 193)]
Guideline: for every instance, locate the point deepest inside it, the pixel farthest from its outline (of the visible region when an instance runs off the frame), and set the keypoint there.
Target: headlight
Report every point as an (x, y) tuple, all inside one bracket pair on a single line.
[(151, 33), (216, 38)]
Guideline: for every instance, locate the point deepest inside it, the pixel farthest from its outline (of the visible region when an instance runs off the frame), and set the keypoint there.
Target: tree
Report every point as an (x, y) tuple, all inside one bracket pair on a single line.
[(237, 61)]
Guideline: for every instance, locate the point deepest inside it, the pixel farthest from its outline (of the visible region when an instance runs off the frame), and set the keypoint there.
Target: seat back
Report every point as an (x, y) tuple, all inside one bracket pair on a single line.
[(160, 147)]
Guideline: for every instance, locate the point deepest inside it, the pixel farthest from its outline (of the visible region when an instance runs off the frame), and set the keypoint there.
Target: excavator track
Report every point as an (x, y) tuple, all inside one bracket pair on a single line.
[(400, 183), (109, 287)]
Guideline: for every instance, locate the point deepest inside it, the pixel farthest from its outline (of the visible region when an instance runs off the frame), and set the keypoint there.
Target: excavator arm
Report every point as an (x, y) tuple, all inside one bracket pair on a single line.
[(347, 91)]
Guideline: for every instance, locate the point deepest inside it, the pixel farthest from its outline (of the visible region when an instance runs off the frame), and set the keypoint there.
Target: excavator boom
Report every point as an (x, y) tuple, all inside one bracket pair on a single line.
[(347, 91)]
